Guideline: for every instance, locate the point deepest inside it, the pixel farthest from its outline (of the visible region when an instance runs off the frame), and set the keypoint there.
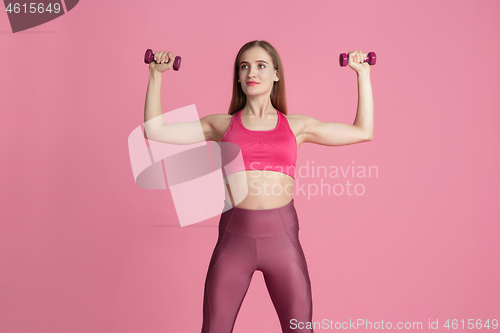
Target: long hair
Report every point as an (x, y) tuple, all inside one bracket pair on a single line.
[(278, 99)]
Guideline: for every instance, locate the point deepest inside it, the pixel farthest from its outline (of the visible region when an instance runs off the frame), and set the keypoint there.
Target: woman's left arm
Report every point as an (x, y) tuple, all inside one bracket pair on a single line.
[(338, 134), (364, 114)]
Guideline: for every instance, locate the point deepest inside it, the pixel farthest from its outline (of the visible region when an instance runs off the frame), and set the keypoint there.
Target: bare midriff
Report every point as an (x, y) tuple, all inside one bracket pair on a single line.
[(266, 189)]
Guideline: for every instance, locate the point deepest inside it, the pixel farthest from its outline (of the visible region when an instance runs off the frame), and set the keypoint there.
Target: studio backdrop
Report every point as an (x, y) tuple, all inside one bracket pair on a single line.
[(403, 230)]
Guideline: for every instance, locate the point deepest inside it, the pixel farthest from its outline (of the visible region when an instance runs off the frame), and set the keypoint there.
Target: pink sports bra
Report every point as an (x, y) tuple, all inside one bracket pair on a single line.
[(273, 150)]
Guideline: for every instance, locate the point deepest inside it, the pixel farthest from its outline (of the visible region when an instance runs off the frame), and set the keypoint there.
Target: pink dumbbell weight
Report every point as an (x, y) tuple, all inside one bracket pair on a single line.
[(149, 57), (344, 59)]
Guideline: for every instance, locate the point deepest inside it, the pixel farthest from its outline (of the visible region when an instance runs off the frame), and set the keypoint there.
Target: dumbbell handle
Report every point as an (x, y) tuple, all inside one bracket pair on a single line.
[(149, 57), (344, 59)]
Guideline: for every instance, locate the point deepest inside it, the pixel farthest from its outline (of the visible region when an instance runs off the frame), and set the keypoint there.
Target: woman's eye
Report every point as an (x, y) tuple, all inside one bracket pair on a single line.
[(243, 66)]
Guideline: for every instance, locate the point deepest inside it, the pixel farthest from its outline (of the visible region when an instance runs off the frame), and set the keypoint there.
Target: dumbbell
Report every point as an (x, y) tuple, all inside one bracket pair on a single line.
[(149, 57), (344, 59)]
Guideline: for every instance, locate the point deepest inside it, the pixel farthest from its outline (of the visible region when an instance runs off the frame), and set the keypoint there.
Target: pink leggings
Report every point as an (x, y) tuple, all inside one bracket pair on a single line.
[(265, 240)]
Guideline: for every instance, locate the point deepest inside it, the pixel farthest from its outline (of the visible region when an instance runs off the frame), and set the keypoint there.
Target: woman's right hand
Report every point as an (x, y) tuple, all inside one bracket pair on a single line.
[(163, 61)]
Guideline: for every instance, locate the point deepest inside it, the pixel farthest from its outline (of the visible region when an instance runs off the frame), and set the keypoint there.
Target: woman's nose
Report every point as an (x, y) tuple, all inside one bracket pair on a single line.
[(252, 71)]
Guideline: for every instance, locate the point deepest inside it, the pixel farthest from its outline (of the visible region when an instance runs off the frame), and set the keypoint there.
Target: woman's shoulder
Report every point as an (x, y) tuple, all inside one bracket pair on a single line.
[(296, 116), (218, 121), (297, 120), (216, 118)]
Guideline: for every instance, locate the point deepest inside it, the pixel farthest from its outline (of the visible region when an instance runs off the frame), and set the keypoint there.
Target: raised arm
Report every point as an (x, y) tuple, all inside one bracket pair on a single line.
[(155, 129), (338, 134), (152, 107), (181, 133), (188, 132)]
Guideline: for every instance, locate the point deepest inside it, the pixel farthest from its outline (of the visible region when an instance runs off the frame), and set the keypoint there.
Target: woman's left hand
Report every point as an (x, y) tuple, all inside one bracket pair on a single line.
[(356, 62)]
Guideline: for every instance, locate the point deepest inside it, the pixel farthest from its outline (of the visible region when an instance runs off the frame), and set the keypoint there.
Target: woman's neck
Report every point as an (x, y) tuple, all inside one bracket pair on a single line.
[(259, 109)]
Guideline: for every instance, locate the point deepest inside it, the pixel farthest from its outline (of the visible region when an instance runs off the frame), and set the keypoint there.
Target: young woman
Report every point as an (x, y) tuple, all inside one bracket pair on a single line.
[(260, 232)]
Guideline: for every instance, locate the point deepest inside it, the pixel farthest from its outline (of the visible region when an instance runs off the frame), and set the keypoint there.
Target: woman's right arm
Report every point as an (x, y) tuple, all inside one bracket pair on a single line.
[(154, 127), (153, 119)]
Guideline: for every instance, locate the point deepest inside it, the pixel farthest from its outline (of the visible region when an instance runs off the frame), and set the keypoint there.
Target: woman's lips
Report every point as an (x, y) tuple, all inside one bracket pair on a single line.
[(252, 83)]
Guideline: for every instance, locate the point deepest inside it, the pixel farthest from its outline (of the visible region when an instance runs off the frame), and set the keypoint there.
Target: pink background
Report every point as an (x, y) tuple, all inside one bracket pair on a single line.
[(84, 249)]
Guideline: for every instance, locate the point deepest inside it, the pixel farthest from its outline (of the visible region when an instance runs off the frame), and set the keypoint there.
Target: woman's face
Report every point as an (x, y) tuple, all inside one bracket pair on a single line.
[(256, 65)]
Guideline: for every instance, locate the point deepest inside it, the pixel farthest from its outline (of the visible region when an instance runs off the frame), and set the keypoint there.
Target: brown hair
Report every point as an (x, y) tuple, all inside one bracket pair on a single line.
[(278, 100)]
